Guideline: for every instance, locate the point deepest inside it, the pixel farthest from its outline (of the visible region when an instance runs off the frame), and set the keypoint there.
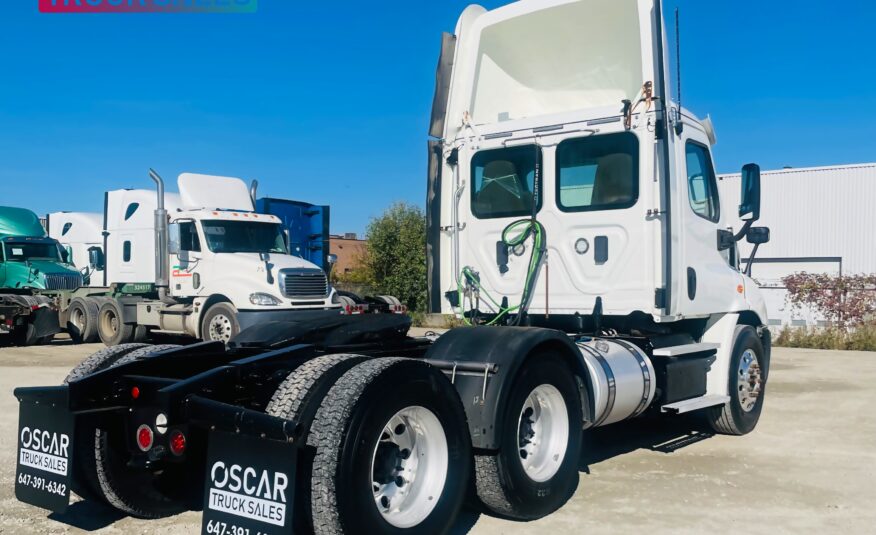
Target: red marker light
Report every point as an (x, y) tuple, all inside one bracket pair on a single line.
[(144, 438), (135, 392), (177, 443)]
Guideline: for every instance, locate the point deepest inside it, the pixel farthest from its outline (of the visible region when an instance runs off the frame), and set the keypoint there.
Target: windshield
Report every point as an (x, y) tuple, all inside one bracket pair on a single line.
[(24, 251), (244, 237)]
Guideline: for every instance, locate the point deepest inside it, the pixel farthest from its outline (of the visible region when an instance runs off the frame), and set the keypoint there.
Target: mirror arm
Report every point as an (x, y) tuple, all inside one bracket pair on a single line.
[(744, 231), (751, 260)]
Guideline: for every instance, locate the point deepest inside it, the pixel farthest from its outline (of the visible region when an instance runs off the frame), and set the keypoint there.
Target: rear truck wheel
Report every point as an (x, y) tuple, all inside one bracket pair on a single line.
[(111, 327), (141, 492), (749, 369), (298, 398), (82, 320), (85, 480), (393, 453), (535, 470), (220, 323)]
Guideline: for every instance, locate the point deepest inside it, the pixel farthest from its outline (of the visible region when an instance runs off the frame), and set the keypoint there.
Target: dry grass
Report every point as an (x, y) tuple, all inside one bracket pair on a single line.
[(862, 338)]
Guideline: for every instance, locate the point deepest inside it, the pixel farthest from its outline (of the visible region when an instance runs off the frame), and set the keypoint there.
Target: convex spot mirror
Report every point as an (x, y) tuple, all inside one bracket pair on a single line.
[(749, 209), (758, 235)]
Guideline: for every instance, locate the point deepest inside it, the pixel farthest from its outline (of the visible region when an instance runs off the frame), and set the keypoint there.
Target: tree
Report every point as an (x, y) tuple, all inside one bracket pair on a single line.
[(396, 259), (845, 300)]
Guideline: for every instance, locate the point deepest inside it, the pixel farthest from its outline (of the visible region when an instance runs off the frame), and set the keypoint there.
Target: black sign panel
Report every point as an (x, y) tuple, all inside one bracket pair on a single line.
[(45, 446), (250, 485)]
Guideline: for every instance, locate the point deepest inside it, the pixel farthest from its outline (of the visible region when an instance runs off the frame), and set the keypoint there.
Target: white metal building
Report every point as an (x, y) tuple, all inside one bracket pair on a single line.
[(823, 220)]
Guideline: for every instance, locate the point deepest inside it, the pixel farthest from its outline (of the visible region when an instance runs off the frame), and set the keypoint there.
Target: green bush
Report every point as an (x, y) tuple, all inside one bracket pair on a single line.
[(861, 338)]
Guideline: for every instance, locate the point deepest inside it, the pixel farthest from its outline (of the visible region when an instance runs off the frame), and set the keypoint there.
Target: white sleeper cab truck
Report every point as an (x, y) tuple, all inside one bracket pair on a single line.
[(78, 232), (573, 222), (200, 263)]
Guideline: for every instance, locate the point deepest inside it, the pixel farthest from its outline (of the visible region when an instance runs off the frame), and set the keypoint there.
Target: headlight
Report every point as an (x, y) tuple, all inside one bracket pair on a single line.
[(264, 300)]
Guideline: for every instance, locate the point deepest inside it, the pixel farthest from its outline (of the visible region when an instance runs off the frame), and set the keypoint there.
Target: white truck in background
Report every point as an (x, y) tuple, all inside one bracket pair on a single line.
[(198, 263)]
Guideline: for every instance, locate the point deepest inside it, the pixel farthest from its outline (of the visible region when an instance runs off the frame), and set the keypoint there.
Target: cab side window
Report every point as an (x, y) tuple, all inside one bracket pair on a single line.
[(702, 185), (188, 238)]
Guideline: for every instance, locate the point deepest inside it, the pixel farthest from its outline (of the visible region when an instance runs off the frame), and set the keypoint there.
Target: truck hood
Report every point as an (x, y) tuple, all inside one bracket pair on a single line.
[(33, 274), (244, 274)]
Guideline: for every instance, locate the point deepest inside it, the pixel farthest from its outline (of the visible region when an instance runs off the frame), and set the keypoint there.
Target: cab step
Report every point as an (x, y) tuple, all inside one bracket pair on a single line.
[(690, 405)]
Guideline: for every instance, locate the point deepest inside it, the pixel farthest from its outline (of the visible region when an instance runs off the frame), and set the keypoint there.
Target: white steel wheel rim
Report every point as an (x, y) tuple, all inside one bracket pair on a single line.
[(409, 467), (220, 328), (749, 380), (110, 322), (543, 433)]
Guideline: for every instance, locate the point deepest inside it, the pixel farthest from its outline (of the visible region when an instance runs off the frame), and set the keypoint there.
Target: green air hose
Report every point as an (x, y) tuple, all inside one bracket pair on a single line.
[(514, 234)]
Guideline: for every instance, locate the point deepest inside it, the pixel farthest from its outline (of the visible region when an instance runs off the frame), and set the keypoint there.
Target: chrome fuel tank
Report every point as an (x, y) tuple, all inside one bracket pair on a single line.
[(623, 379)]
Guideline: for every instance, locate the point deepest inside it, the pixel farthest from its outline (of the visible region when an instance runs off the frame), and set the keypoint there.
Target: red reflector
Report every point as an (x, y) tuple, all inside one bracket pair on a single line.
[(135, 392), (144, 438), (177, 443)]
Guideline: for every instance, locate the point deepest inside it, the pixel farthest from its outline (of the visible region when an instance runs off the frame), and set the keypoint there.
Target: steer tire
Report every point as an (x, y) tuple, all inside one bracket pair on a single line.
[(82, 320), (136, 492), (111, 327), (85, 480), (298, 398), (227, 326), (731, 418), (349, 426), (503, 486)]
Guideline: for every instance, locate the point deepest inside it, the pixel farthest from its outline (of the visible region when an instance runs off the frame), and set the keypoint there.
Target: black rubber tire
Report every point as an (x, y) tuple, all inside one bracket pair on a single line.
[(85, 478), (503, 487), (347, 427), (298, 399), (226, 309), (730, 418), (135, 492), (112, 330), (88, 309)]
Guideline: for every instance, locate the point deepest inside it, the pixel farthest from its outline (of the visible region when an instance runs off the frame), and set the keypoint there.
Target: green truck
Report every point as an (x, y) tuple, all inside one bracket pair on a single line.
[(32, 267)]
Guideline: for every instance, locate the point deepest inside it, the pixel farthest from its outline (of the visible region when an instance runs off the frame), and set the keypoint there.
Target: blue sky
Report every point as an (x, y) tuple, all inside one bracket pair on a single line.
[(328, 102)]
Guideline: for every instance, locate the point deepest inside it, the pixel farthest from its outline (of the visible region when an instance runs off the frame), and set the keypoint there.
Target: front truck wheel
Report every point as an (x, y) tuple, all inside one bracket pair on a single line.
[(393, 453), (535, 470), (749, 368), (220, 323)]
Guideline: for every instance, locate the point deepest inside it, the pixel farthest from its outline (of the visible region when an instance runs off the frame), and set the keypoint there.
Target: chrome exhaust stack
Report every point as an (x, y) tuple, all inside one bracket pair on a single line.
[(162, 277)]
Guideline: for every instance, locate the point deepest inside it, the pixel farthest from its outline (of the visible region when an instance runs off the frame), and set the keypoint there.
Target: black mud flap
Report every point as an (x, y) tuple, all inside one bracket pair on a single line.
[(45, 445), (250, 485)]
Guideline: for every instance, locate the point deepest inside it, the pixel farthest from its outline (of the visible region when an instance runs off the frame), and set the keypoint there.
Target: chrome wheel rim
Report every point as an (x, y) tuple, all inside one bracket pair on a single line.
[(409, 467), (220, 328), (543, 433), (749, 380)]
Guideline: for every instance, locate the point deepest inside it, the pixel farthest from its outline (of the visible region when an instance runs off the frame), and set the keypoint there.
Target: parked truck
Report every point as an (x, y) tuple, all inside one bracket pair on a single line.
[(573, 221), (31, 263), (202, 263)]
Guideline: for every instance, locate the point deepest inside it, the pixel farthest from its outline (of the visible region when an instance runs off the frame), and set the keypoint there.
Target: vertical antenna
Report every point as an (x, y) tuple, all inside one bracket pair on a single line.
[(679, 125)]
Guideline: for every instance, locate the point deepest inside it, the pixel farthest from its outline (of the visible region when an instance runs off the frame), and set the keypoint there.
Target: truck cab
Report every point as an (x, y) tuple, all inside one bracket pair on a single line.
[(614, 180)]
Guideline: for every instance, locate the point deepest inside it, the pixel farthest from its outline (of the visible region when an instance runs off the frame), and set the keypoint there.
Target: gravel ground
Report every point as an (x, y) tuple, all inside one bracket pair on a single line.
[(809, 467)]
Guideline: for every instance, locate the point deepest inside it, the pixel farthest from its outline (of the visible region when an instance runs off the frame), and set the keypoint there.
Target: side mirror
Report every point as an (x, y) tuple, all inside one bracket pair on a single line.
[(95, 258), (749, 209), (758, 235), (173, 239), (66, 254), (332, 259)]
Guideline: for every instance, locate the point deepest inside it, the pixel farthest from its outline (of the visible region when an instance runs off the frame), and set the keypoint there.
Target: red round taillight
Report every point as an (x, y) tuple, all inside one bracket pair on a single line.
[(145, 438), (135, 392), (177, 443)]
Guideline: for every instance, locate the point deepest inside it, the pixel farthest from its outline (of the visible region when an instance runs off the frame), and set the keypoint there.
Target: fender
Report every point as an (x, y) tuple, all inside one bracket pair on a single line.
[(483, 395)]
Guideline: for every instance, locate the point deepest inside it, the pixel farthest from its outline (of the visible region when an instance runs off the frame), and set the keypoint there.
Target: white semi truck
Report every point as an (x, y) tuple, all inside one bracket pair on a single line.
[(199, 263), (573, 221)]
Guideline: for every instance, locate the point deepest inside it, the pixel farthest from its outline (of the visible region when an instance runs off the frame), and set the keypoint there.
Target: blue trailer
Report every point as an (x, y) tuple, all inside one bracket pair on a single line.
[(307, 224)]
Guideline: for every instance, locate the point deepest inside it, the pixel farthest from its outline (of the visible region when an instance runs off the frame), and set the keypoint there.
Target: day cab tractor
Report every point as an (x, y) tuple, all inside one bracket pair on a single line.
[(573, 222)]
